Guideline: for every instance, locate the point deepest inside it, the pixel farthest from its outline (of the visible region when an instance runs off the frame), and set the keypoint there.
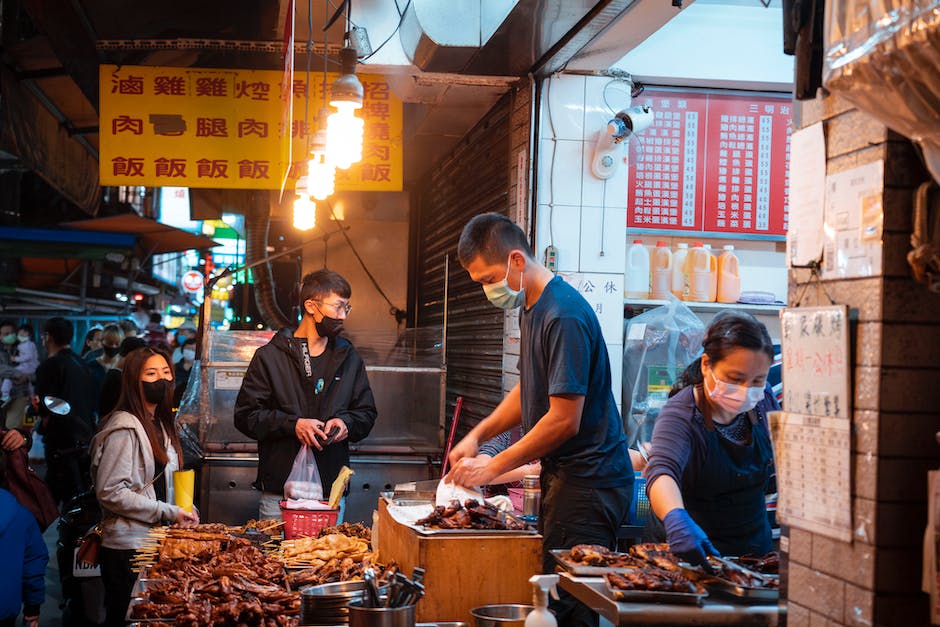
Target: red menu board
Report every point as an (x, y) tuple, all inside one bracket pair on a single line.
[(712, 163)]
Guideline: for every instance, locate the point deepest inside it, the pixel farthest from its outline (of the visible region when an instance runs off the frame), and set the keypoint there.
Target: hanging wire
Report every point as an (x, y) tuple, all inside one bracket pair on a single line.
[(814, 277), (401, 20), (307, 78)]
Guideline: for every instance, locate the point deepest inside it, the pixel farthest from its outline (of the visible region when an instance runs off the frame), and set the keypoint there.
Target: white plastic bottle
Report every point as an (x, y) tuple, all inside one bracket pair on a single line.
[(729, 277), (713, 274), (660, 271), (638, 271), (542, 586), (680, 280)]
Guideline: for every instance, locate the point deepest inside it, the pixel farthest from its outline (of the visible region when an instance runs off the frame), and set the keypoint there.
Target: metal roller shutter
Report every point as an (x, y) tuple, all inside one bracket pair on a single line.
[(473, 179)]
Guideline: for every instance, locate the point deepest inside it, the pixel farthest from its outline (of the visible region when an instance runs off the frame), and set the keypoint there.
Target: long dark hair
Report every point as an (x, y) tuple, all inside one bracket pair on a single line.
[(728, 330), (131, 400)]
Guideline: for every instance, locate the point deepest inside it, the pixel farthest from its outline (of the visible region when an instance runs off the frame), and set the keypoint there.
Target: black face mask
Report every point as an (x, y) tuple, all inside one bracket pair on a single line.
[(155, 391), (110, 351), (329, 327)]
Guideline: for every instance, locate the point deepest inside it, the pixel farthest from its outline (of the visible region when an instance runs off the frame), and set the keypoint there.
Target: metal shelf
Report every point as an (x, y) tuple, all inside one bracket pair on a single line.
[(708, 307)]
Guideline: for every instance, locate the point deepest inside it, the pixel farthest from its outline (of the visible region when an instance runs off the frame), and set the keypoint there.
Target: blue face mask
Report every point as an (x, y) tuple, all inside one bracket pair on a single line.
[(503, 296)]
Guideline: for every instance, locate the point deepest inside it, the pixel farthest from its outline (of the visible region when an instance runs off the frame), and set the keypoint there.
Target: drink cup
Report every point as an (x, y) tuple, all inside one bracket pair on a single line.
[(183, 486)]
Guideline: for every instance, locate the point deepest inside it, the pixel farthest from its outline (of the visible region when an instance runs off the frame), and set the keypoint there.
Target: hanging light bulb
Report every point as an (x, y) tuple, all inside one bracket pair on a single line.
[(321, 173), (344, 131), (305, 210)]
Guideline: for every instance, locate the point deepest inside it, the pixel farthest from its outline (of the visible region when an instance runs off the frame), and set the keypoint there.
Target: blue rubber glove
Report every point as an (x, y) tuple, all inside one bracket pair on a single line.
[(686, 539)]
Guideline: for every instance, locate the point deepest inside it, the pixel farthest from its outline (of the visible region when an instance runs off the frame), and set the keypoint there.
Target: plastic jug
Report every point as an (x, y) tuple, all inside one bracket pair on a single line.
[(713, 264), (729, 278), (638, 271), (680, 280), (660, 271), (702, 269)]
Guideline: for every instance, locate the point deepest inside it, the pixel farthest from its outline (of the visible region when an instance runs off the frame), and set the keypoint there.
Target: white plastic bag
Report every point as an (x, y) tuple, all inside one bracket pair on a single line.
[(303, 482)]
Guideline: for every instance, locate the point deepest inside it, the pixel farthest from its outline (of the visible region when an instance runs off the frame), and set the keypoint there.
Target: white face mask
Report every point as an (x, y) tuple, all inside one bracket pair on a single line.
[(189, 354), (503, 296), (734, 399), (22, 338)]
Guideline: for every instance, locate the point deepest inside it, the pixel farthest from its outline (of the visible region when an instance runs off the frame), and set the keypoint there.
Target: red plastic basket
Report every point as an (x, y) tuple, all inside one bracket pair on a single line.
[(302, 523)]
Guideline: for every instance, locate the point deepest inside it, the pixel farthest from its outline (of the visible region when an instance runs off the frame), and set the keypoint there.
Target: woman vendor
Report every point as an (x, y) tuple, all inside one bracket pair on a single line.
[(711, 454)]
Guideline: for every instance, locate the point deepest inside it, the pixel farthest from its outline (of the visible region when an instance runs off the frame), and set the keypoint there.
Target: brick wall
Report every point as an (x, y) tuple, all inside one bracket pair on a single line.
[(875, 579)]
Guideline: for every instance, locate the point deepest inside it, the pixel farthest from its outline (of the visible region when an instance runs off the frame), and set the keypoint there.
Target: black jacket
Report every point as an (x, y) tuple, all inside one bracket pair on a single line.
[(65, 376), (274, 394)]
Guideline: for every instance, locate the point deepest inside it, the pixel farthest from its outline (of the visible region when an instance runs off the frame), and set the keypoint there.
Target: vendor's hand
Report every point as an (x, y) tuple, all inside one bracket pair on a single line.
[(31, 621), (337, 423), (310, 431), (467, 447), (13, 440), (686, 539), (471, 472), (187, 519)]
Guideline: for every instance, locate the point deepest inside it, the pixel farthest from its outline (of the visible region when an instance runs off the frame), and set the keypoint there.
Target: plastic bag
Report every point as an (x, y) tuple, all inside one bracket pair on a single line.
[(658, 345), (303, 482)]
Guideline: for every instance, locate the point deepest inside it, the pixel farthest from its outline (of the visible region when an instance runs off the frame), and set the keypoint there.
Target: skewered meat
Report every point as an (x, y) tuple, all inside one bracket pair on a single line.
[(470, 515), (657, 554), (652, 579)]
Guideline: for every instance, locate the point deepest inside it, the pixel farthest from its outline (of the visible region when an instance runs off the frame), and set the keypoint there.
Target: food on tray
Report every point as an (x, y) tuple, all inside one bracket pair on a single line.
[(470, 515), (354, 530), (601, 556), (318, 550), (740, 576), (176, 548), (653, 579), (768, 564), (345, 569), (238, 585), (657, 554)]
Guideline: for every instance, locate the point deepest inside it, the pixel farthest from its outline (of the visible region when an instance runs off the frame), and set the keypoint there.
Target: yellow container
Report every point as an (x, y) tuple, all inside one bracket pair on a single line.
[(184, 483)]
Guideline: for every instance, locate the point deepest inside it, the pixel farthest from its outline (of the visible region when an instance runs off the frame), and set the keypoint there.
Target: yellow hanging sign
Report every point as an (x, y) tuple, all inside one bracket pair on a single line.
[(216, 128)]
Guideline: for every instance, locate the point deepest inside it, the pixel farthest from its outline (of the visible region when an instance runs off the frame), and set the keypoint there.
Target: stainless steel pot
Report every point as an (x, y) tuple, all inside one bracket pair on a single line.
[(505, 615), (381, 616)]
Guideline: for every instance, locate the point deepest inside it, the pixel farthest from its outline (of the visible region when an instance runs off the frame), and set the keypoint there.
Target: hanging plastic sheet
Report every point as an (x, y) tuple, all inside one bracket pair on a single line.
[(658, 346), (883, 57)]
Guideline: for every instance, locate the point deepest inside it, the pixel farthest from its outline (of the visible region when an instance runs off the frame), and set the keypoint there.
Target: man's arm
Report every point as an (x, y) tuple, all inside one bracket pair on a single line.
[(507, 415), (253, 415), (560, 423), (359, 417)]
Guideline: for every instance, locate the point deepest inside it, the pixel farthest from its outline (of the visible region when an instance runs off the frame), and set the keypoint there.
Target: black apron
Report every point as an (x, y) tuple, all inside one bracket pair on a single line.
[(727, 499)]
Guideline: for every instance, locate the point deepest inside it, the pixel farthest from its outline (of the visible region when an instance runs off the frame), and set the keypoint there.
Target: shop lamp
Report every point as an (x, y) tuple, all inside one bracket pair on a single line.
[(305, 210), (321, 173), (344, 131)]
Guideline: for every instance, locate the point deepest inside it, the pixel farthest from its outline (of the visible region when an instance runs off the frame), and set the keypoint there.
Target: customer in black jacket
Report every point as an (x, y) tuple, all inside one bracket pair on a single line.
[(302, 386)]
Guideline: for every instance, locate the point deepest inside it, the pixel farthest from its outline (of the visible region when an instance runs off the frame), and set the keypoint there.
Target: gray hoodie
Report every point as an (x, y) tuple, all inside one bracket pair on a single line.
[(121, 464)]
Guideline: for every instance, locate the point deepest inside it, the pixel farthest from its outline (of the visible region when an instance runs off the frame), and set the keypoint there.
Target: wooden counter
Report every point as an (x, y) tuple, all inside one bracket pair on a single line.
[(463, 572)]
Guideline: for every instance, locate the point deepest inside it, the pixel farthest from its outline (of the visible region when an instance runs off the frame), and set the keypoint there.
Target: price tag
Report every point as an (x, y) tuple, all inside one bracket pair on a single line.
[(83, 570)]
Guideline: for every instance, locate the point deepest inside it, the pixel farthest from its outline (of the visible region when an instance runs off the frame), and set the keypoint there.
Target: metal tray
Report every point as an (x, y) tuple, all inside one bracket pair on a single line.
[(583, 570), (529, 530), (720, 584), (143, 584), (130, 607), (655, 596)]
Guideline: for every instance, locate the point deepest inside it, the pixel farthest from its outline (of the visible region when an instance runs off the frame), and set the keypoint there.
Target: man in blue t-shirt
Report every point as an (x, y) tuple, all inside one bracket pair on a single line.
[(563, 400)]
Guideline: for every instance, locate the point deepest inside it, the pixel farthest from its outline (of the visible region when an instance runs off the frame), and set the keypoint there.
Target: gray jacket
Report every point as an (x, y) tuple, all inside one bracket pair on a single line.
[(121, 464)]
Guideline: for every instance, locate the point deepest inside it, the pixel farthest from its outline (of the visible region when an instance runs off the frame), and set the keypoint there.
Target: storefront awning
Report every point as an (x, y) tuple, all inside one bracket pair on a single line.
[(154, 236)]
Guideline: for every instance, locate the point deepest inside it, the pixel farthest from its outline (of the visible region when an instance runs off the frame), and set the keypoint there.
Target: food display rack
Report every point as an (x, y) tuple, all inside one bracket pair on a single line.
[(716, 610)]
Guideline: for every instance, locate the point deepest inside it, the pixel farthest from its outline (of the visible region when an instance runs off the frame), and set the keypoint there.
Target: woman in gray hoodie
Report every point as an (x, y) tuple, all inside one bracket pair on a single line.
[(133, 457)]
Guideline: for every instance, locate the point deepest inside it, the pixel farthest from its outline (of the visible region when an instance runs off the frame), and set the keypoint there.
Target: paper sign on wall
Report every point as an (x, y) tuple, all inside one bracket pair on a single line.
[(816, 364), (807, 195), (854, 220)]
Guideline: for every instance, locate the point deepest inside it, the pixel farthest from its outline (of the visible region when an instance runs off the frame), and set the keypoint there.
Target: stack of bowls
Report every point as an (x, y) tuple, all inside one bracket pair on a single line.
[(504, 615), (327, 604)]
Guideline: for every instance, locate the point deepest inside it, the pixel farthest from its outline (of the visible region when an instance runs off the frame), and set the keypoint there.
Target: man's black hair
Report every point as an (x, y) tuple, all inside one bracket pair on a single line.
[(60, 330), (491, 236), (321, 283)]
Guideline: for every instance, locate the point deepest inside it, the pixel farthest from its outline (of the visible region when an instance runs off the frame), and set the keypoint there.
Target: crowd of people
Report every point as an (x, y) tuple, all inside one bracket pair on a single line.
[(114, 433)]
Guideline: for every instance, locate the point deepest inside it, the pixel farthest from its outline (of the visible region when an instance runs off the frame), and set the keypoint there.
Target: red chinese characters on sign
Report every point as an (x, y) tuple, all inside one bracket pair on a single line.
[(169, 86), (257, 90), (252, 126), (212, 168), (211, 127), (248, 169), (206, 86), (130, 86), (127, 166), (127, 124), (667, 168), (728, 155), (173, 168), (746, 177)]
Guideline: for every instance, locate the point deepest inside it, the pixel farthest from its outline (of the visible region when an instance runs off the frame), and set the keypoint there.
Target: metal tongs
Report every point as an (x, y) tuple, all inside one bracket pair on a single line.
[(403, 591)]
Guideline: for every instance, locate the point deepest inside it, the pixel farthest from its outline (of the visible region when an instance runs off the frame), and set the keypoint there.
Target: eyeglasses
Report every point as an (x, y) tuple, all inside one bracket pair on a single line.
[(336, 307)]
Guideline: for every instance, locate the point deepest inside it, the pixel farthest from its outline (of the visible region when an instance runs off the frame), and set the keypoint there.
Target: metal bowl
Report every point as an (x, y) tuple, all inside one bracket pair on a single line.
[(505, 615)]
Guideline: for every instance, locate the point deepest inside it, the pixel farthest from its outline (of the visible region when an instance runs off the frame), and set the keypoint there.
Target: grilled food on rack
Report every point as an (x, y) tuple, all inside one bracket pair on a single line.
[(239, 585), (353, 530), (768, 564), (317, 551), (345, 569), (177, 548), (654, 580), (596, 555), (657, 554), (470, 515)]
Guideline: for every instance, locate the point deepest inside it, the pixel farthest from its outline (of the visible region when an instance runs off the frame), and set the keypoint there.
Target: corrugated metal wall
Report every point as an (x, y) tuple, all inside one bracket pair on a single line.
[(473, 179)]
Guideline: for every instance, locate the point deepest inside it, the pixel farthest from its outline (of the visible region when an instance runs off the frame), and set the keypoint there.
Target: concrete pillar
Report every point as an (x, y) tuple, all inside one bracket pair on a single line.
[(875, 579)]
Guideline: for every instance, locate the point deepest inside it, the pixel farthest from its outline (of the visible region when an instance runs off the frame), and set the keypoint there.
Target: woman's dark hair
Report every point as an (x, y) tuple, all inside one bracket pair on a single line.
[(130, 344), (132, 401), (28, 328), (728, 330)]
